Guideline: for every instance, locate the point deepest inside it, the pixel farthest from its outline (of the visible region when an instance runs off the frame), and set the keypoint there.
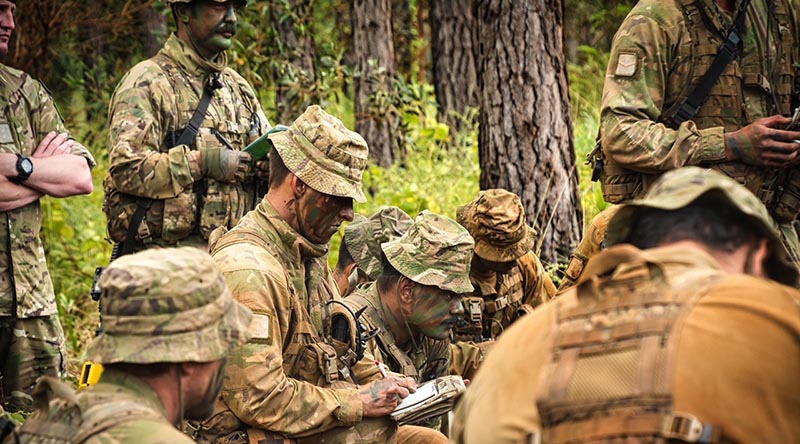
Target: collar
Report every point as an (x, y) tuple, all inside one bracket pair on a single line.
[(125, 384), (189, 60), (299, 247)]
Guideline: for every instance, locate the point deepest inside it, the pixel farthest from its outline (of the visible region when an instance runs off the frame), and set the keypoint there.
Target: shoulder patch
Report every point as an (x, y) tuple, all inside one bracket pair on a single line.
[(627, 64), (261, 327)]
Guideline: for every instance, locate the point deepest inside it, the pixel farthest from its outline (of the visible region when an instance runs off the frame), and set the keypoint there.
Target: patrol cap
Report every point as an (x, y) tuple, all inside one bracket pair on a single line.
[(318, 149), (435, 250), (677, 189), (496, 220), (363, 237), (167, 305)]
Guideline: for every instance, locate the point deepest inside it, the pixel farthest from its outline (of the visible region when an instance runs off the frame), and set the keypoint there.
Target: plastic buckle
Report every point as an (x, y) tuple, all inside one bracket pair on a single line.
[(501, 303), (682, 426), (331, 369), (475, 310)]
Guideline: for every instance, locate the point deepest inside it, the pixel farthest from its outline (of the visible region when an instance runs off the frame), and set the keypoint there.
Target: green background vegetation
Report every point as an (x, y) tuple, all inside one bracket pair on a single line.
[(440, 171)]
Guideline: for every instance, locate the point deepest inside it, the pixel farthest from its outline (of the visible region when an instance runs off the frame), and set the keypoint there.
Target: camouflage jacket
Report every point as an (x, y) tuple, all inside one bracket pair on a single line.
[(661, 49), (120, 409), (27, 114), (276, 382), (153, 101), (499, 299), (748, 326)]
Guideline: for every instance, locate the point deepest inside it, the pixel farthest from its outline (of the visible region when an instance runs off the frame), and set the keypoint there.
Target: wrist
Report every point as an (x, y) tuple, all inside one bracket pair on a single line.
[(23, 168)]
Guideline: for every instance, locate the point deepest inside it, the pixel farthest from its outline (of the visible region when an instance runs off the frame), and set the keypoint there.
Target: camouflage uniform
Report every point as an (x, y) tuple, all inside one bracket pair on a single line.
[(158, 306), (651, 344), (594, 240), (288, 381), (363, 238), (661, 49), (151, 104), (31, 339), (434, 245), (496, 220)]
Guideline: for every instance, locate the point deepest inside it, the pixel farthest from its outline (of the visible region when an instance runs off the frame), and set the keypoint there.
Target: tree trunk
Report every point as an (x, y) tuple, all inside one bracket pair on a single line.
[(403, 34), (525, 142), (376, 116), (295, 51), (455, 75)]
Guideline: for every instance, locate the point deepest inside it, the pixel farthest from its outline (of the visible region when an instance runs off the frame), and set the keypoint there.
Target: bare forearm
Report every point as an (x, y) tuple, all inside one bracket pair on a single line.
[(61, 176), (13, 196)]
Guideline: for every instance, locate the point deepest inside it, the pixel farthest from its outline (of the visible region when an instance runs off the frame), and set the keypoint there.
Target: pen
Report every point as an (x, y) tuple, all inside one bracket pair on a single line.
[(381, 368)]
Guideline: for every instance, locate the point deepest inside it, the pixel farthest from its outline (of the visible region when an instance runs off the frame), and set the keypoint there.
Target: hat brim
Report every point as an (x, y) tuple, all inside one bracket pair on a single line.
[(459, 284), (320, 179), (206, 344), (492, 253)]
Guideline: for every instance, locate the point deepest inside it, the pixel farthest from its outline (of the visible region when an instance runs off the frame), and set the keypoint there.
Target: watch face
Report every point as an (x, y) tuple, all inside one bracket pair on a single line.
[(26, 165)]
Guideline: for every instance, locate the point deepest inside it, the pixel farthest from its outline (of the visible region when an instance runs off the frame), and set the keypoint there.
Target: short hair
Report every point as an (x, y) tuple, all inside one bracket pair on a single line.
[(278, 172), (389, 276), (345, 258), (141, 370), (709, 220)]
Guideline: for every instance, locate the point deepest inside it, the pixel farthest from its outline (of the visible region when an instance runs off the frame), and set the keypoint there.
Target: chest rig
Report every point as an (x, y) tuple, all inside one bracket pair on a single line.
[(758, 83), (489, 311), (608, 377)]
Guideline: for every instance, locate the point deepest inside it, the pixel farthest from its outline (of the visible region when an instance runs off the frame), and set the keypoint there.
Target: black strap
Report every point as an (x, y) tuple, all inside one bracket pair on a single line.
[(727, 52), (187, 138)]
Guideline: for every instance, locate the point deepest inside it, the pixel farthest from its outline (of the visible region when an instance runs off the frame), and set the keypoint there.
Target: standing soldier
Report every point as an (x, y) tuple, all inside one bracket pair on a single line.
[(707, 83), (170, 322), (679, 332), (289, 383), (179, 122), (508, 277), (37, 158)]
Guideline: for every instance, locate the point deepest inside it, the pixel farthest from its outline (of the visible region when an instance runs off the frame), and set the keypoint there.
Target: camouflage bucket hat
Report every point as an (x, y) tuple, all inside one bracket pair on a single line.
[(677, 189), (496, 220), (167, 305), (324, 154), (435, 250), (363, 237)]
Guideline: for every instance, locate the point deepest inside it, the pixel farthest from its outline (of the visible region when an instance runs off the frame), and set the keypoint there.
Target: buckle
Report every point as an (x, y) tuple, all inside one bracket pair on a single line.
[(500, 303), (475, 310), (682, 426), (331, 369)]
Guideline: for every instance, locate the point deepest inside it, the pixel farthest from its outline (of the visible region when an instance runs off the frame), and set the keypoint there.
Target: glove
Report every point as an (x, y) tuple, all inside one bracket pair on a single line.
[(225, 165)]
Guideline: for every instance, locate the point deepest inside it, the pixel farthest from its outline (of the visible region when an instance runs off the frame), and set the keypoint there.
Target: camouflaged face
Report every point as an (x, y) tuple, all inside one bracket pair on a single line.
[(496, 220), (167, 305), (363, 237), (677, 189), (324, 154), (435, 250)]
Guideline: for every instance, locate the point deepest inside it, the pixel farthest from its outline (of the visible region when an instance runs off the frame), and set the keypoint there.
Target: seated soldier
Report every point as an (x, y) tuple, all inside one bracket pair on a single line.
[(170, 322), (508, 278), (594, 240), (360, 251), (416, 299)]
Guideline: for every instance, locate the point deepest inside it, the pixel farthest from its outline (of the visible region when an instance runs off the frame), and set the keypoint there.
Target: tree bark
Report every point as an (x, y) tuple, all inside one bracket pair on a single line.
[(403, 34), (455, 75), (525, 142), (296, 51), (376, 117)]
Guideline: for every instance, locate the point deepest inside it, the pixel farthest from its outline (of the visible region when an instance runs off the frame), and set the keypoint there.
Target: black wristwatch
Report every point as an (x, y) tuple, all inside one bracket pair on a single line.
[(24, 169)]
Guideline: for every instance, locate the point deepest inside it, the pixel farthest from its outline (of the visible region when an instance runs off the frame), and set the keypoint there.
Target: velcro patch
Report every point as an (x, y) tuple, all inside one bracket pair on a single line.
[(260, 327), (5, 134), (626, 65)]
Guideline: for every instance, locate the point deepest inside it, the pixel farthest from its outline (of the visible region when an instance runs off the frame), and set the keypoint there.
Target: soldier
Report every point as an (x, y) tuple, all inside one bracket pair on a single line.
[(508, 278), (37, 158), (360, 251), (680, 331), (170, 322), (415, 301), (288, 383), (655, 117), (594, 240), (179, 122)]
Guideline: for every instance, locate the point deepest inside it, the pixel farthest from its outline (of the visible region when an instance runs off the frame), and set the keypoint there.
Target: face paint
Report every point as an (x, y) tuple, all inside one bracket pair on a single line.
[(205, 407), (320, 215), (212, 27), (434, 311)]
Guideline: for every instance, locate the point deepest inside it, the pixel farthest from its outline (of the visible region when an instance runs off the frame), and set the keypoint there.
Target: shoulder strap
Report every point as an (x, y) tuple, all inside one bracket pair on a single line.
[(727, 52)]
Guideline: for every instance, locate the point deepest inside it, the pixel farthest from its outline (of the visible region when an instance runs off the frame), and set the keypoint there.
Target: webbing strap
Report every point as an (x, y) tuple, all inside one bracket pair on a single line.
[(727, 52), (675, 426)]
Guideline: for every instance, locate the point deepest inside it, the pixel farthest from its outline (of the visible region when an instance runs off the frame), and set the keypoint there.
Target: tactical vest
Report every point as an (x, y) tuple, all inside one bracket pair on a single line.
[(62, 417), (741, 95), (611, 383), (209, 204), (487, 315)]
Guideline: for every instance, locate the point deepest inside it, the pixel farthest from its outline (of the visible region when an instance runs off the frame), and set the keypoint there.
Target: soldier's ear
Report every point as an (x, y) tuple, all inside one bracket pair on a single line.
[(298, 187)]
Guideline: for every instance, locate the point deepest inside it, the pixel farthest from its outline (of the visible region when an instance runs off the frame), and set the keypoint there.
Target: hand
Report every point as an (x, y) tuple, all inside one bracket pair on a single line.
[(225, 165), (262, 169), (382, 396), (764, 143), (54, 144)]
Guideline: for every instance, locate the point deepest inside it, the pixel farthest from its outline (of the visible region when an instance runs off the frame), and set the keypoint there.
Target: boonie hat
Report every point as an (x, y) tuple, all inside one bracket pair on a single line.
[(496, 220)]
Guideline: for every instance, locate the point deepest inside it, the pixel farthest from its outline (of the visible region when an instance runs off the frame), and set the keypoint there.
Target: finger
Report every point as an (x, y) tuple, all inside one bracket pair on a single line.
[(42, 149), (781, 147), (65, 148), (776, 121)]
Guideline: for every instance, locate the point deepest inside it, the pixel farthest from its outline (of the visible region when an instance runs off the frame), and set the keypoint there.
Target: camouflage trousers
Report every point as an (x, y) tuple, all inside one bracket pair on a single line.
[(31, 347)]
